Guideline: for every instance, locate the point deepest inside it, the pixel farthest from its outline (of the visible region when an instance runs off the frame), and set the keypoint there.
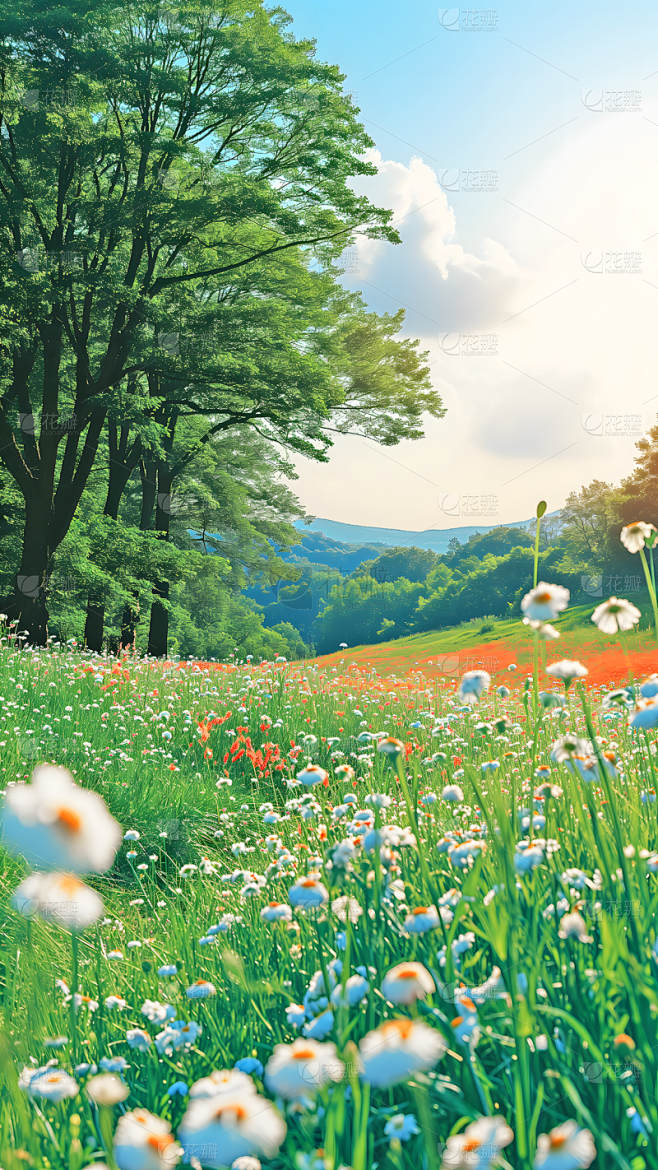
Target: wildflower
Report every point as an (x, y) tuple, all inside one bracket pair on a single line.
[(465, 853), (567, 1147), (634, 537), (473, 684), (459, 947), (567, 671), (139, 1039), (312, 774), (344, 773), (355, 990), (492, 988), (320, 1027), (453, 794), (177, 1035), (573, 926), (107, 1089), (56, 1042), (308, 893), (296, 1014), (421, 919), (402, 1126), (156, 1012), (645, 714), (296, 1069), (59, 898), (378, 800), (223, 1081), (167, 970), (528, 859), (545, 602), (231, 1126), (276, 912), (249, 1065), (466, 1027), (113, 1064), (648, 689), (543, 630), (343, 906), (615, 615), (142, 1133), (398, 1048), (178, 1089), (202, 989), (478, 1146), (567, 747), (115, 1001), (53, 822), (389, 746), (82, 1000), (407, 982), (50, 1084)]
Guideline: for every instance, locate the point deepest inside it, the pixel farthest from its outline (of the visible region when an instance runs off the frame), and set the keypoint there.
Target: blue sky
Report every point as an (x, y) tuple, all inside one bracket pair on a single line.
[(546, 363)]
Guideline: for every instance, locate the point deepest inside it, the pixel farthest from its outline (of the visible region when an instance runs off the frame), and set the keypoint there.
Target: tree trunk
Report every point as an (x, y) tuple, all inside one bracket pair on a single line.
[(159, 625), (32, 577), (129, 621), (94, 625), (122, 465)]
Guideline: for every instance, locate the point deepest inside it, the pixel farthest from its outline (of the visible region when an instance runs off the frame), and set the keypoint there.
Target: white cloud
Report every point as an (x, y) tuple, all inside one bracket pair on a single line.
[(571, 342), (453, 289)]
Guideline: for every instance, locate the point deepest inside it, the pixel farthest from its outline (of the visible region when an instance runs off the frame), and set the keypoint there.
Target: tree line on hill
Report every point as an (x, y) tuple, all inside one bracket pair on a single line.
[(410, 590)]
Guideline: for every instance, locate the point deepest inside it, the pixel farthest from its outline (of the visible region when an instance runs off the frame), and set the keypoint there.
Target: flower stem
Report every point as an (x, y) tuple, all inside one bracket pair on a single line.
[(651, 587), (74, 992)]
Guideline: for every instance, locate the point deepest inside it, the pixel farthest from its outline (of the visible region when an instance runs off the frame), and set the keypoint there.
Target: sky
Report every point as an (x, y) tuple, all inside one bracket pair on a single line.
[(518, 149)]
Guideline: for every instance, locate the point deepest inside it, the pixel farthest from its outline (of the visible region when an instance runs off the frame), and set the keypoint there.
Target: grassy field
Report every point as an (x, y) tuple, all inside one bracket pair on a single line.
[(448, 653), (483, 993)]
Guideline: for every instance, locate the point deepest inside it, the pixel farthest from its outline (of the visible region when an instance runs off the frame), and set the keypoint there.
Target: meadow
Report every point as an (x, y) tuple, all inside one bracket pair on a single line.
[(311, 916)]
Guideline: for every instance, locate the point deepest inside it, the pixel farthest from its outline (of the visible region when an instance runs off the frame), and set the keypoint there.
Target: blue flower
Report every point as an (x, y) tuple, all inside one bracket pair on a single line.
[(179, 1088), (249, 1065)]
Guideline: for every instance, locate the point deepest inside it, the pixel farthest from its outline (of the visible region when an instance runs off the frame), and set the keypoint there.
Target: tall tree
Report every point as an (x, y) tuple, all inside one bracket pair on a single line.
[(142, 154)]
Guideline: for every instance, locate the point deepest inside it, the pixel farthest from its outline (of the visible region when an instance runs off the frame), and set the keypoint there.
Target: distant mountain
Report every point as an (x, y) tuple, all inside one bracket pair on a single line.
[(432, 538)]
